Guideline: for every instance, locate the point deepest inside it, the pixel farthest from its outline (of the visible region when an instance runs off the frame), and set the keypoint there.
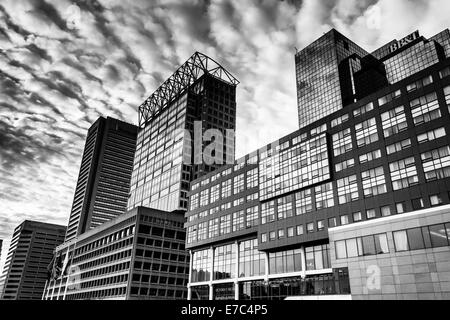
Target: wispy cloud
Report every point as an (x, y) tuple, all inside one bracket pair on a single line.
[(63, 64)]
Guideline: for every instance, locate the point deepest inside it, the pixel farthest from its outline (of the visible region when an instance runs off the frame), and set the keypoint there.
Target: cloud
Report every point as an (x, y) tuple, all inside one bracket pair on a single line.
[(63, 64)]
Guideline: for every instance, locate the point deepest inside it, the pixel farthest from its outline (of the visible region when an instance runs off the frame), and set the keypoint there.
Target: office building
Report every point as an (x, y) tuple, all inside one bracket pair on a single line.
[(200, 92), (138, 255), (29, 255), (141, 254), (334, 72), (355, 205), (104, 180)]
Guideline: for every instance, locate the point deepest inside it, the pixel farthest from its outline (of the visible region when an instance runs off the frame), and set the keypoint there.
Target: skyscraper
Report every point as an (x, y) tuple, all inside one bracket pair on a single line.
[(29, 255), (146, 251), (334, 72), (104, 180), (166, 160), (355, 205)]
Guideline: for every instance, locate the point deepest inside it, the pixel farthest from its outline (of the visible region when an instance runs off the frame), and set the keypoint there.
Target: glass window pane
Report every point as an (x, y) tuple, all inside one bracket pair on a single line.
[(415, 239), (360, 247), (401, 241), (438, 236), (352, 248), (340, 250), (426, 237), (368, 246), (381, 243)]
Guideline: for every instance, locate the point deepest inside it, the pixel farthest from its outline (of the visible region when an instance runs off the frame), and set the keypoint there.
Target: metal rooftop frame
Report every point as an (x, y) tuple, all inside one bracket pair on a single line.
[(195, 67)]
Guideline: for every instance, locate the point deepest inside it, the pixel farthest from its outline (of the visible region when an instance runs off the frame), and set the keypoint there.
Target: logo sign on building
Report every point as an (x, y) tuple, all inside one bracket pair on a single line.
[(403, 42)]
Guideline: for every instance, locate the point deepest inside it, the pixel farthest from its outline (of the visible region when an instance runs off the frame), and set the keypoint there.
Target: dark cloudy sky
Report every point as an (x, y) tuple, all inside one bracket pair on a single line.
[(63, 64)]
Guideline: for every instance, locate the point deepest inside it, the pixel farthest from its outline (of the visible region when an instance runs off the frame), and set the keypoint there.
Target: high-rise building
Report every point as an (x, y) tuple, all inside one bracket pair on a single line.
[(104, 180), (334, 72), (200, 94), (30, 253), (141, 254), (355, 205)]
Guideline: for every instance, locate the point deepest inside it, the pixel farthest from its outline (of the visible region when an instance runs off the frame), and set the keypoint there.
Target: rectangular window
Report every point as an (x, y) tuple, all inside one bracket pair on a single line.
[(364, 109), (439, 236), (389, 97), (403, 174), (320, 225), (345, 165), (214, 228), (371, 214), (268, 212), (303, 202), (300, 230), (324, 196), (215, 193), (369, 246), (381, 244), (447, 96), (319, 130), (420, 84), (290, 232), (400, 207), (252, 216), (238, 221), (425, 109), (225, 224), (342, 142), (284, 208), (357, 216), (394, 121), (399, 146), (385, 211), (252, 178), (238, 184), (264, 237), (347, 189), (338, 121), (418, 204), (444, 72), (373, 155), (374, 182), (281, 234), (332, 222), (194, 201), (366, 132), (204, 198), (226, 189), (436, 200), (344, 220), (432, 135), (310, 227), (436, 163), (401, 241)]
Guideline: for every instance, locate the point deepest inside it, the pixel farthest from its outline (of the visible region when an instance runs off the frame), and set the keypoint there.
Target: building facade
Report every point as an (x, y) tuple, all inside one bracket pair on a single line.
[(104, 180), (263, 227), (138, 255), (199, 96), (334, 72), (29, 255)]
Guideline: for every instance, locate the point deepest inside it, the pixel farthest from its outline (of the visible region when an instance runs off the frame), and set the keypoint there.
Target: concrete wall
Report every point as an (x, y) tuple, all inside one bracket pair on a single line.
[(420, 274)]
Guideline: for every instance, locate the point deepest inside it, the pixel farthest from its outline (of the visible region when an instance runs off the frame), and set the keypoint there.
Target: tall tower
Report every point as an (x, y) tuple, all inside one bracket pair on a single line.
[(29, 256), (324, 71), (104, 179), (200, 92)]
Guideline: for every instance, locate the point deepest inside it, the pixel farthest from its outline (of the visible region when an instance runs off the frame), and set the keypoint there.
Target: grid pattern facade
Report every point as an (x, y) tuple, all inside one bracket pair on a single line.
[(30, 253), (164, 162)]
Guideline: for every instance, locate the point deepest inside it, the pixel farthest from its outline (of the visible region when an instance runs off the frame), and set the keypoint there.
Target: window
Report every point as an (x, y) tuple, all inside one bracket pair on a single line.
[(332, 222), (272, 236), (238, 184), (401, 241), (364, 109), (324, 196), (439, 236), (214, 228), (436, 163), (284, 208), (225, 224), (388, 98), (226, 189), (403, 174), (366, 132), (251, 260), (370, 156), (252, 178), (215, 193), (415, 239), (264, 237), (362, 246), (374, 182), (396, 147), (238, 221), (357, 216), (339, 121), (268, 212), (194, 201), (224, 262), (290, 232), (444, 72), (417, 204), (436, 200), (371, 214), (203, 231), (345, 165), (303, 202), (300, 230), (342, 142), (285, 262), (394, 121), (341, 251), (317, 258), (310, 227), (431, 135), (381, 244), (401, 207), (344, 220), (434, 236), (369, 246), (281, 234), (420, 84), (320, 225), (204, 197), (385, 211), (319, 130), (425, 109), (347, 189), (252, 216)]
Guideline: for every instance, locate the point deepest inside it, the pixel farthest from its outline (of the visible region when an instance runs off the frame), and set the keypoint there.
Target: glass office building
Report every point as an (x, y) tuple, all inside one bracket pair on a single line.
[(335, 72), (272, 225), (200, 91)]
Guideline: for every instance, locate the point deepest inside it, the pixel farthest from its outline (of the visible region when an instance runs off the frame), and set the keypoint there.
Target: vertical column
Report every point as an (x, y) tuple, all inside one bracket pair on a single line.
[(191, 264), (303, 258), (236, 278), (211, 254)]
